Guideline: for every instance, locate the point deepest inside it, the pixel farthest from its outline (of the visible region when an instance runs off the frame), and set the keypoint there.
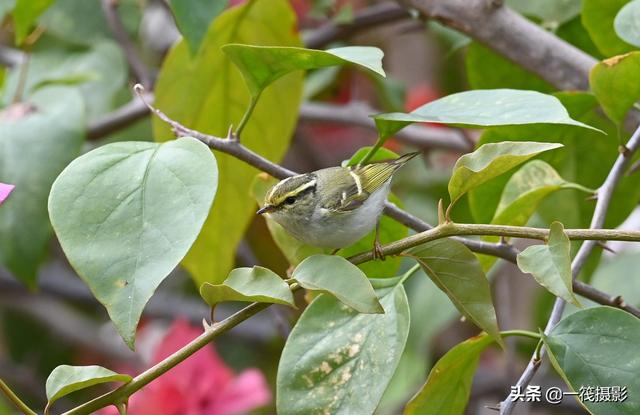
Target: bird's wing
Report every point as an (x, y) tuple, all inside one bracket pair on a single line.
[(358, 182)]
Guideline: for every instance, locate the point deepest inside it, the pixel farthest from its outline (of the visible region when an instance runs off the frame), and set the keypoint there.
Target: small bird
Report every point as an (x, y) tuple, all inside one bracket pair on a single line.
[(336, 206)]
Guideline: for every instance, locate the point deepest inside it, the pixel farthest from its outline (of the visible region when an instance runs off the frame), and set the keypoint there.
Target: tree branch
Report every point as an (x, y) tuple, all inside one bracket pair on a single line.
[(462, 229), (358, 114), (139, 69), (605, 193), (513, 36), (373, 16)]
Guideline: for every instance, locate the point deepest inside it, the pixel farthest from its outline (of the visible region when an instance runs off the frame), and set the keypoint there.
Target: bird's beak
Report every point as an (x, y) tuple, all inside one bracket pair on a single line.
[(264, 209)]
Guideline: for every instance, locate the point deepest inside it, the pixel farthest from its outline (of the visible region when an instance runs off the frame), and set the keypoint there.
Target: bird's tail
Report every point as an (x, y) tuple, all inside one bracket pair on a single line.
[(402, 160)]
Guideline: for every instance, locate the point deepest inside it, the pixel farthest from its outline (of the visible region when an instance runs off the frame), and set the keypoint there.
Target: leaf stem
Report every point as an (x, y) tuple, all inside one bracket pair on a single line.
[(372, 151), (15, 400), (247, 115), (520, 333)]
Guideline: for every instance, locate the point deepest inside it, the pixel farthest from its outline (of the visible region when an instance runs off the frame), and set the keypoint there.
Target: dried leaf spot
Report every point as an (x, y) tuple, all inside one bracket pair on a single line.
[(325, 367), (615, 60), (121, 283), (353, 350)]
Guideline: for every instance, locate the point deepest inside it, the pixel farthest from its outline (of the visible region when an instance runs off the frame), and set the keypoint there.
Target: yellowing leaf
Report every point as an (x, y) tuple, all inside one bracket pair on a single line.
[(206, 92)]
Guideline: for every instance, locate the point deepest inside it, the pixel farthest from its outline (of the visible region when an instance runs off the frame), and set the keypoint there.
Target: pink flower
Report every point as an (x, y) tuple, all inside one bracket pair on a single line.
[(201, 385), (5, 189)]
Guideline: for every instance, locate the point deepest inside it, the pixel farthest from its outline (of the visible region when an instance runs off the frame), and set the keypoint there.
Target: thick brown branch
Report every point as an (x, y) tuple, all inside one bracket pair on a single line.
[(514, 37)]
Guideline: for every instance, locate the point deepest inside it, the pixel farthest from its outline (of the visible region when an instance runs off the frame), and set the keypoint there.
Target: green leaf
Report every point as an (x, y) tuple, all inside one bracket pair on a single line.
[(99, 71), (206, 92), (575, 33), (25, 15), (613, 81), (598, 347), (262, 65), (34, 148), (627, 23), (526, 189), (77, 21), (488, 70), (550, 264), (586, 160), (255, 284), (65, 379), (598, 18), (482, 108), (522, 195), (193, 18), (613, 277), (489, 161), (457, 272), (340, 361), (337, 276), (552, 13), (447, 389), (127, 213)]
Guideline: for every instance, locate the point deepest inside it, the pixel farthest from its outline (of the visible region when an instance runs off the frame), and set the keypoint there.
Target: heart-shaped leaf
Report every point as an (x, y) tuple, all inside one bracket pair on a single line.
[(614, 83), (337, 276), (489, 161), (550, 264), (482, 108), (65, 379), (598, 348), (127, 213), (262, 65), (627, 23), (255, 284), (339, 360), (457, 272), (447, 389)]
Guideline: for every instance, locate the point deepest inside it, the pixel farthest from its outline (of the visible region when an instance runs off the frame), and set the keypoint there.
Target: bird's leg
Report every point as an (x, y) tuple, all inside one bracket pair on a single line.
[(377, 246)]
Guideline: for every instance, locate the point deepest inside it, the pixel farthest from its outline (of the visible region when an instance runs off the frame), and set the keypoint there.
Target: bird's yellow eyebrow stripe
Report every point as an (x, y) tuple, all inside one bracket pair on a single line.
[(302, 187)]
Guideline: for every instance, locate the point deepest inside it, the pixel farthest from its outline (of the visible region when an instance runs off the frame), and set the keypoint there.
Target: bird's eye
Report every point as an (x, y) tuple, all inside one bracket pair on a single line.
[(290, 200)]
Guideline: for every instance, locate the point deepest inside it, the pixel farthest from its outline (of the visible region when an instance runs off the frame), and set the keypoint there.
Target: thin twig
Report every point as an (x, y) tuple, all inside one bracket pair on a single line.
[(120, 118), (15, 399), (605, 193), (367, 18), (139, 69)]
